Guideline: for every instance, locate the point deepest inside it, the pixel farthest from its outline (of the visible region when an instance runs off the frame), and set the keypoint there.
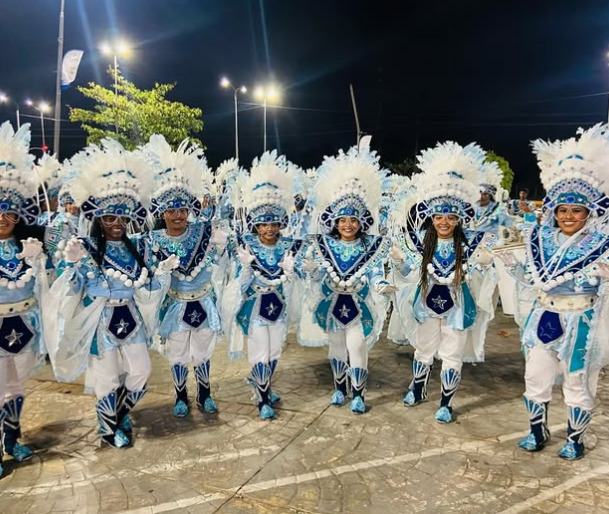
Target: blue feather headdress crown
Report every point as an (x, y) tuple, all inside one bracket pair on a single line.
[(18, 180)]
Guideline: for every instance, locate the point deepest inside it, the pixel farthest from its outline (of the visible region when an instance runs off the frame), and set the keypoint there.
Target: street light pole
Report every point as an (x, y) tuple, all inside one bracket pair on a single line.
[(264, 109), (57, 124), (265, 94), (44, 142), (225, 83), (115, 93)]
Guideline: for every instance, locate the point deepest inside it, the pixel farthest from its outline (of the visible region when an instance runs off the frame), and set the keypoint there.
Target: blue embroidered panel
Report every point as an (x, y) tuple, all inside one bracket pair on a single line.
[(122, 323), (439, 299), (549, 328), (192, 247), (267, 258), (14, 334), (345, 309), (544, 246), (347, 259), (194, 314), (271, 306)]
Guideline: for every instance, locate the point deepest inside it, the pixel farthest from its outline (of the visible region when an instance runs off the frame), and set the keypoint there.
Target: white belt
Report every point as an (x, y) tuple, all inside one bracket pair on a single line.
[(564, 303), (11, 309), (115, 302), (191, 295)]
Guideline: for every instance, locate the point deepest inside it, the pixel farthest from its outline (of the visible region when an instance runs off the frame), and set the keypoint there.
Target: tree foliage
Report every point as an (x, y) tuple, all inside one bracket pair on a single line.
[(407, 167), (137, 113), (508, 173)]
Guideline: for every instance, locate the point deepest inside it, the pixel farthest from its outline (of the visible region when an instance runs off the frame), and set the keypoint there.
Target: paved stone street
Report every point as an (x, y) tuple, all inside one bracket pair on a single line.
[(314, 458)]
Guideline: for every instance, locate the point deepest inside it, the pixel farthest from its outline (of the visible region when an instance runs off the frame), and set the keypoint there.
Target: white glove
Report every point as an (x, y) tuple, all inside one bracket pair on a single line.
[(309, 264), (32, 248), (245, 257), (507, 258), (485, 257), (287, 263), (167, 265), (385, 288), (396, 254), (219, 237), (73, 251), (600, 269)]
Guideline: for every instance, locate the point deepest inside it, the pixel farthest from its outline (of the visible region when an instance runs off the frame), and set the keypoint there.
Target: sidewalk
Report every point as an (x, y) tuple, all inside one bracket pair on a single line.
[(314, 458)]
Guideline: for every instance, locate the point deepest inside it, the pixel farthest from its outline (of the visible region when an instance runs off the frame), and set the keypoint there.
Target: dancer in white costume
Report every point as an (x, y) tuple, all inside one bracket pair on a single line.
[(344, 265), (256, 304), (440, 258), (190, 321), (21, 273), (104, 299), (566, 264)]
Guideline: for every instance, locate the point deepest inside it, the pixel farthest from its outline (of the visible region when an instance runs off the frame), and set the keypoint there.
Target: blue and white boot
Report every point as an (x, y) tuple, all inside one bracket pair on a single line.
[(274, 397), (260, 381), (204, 399), (179, 373), (12, 430), (106, 408), (128, 401), (450, 382), (578, 421), (339, 372), (538, 419), (359, 377), (417, 390)]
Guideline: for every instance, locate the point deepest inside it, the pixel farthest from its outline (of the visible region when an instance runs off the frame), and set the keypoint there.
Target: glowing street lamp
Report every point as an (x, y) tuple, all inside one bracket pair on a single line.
[(4, 98), (119, 48), (267, 94), (225, 83)]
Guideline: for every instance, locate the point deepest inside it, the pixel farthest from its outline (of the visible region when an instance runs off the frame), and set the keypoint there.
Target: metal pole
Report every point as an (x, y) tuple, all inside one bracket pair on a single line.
[(18, 118), (44, 142), (116, 94), (359, 132), (264, 105), (57, 124), (236, 129)]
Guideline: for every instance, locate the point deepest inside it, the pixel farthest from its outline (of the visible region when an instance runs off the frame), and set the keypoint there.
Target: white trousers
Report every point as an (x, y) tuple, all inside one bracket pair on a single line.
[(349, 345), (191, 346), (435, 336), (264, 343), (542, 368), (132, 360), (14, 371)]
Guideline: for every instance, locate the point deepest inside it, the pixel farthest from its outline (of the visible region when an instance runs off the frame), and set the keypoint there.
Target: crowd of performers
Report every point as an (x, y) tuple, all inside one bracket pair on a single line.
[(116, 252)]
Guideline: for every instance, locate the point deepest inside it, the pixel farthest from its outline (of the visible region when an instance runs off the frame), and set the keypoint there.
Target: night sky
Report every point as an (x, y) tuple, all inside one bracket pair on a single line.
[(497, 72)]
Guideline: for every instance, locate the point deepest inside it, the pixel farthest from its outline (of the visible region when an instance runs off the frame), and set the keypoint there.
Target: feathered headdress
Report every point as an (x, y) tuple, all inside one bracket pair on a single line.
[(180, 176), (490, 179), (18, 181), (449, 182), (49, 174), (348, 184), (576, 171), (113, 181), (267, 195)]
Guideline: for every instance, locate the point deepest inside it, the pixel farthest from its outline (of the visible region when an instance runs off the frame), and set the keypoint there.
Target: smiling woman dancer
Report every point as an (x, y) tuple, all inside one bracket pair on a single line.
[(104, 288), (256, 303), (344, 263), (21, 342), (190, 321), (439, 257), (566, 331)]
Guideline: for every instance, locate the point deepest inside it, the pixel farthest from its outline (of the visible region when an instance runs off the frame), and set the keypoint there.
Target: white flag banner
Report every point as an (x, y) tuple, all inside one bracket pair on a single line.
[(69, 67), (364, 143)]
